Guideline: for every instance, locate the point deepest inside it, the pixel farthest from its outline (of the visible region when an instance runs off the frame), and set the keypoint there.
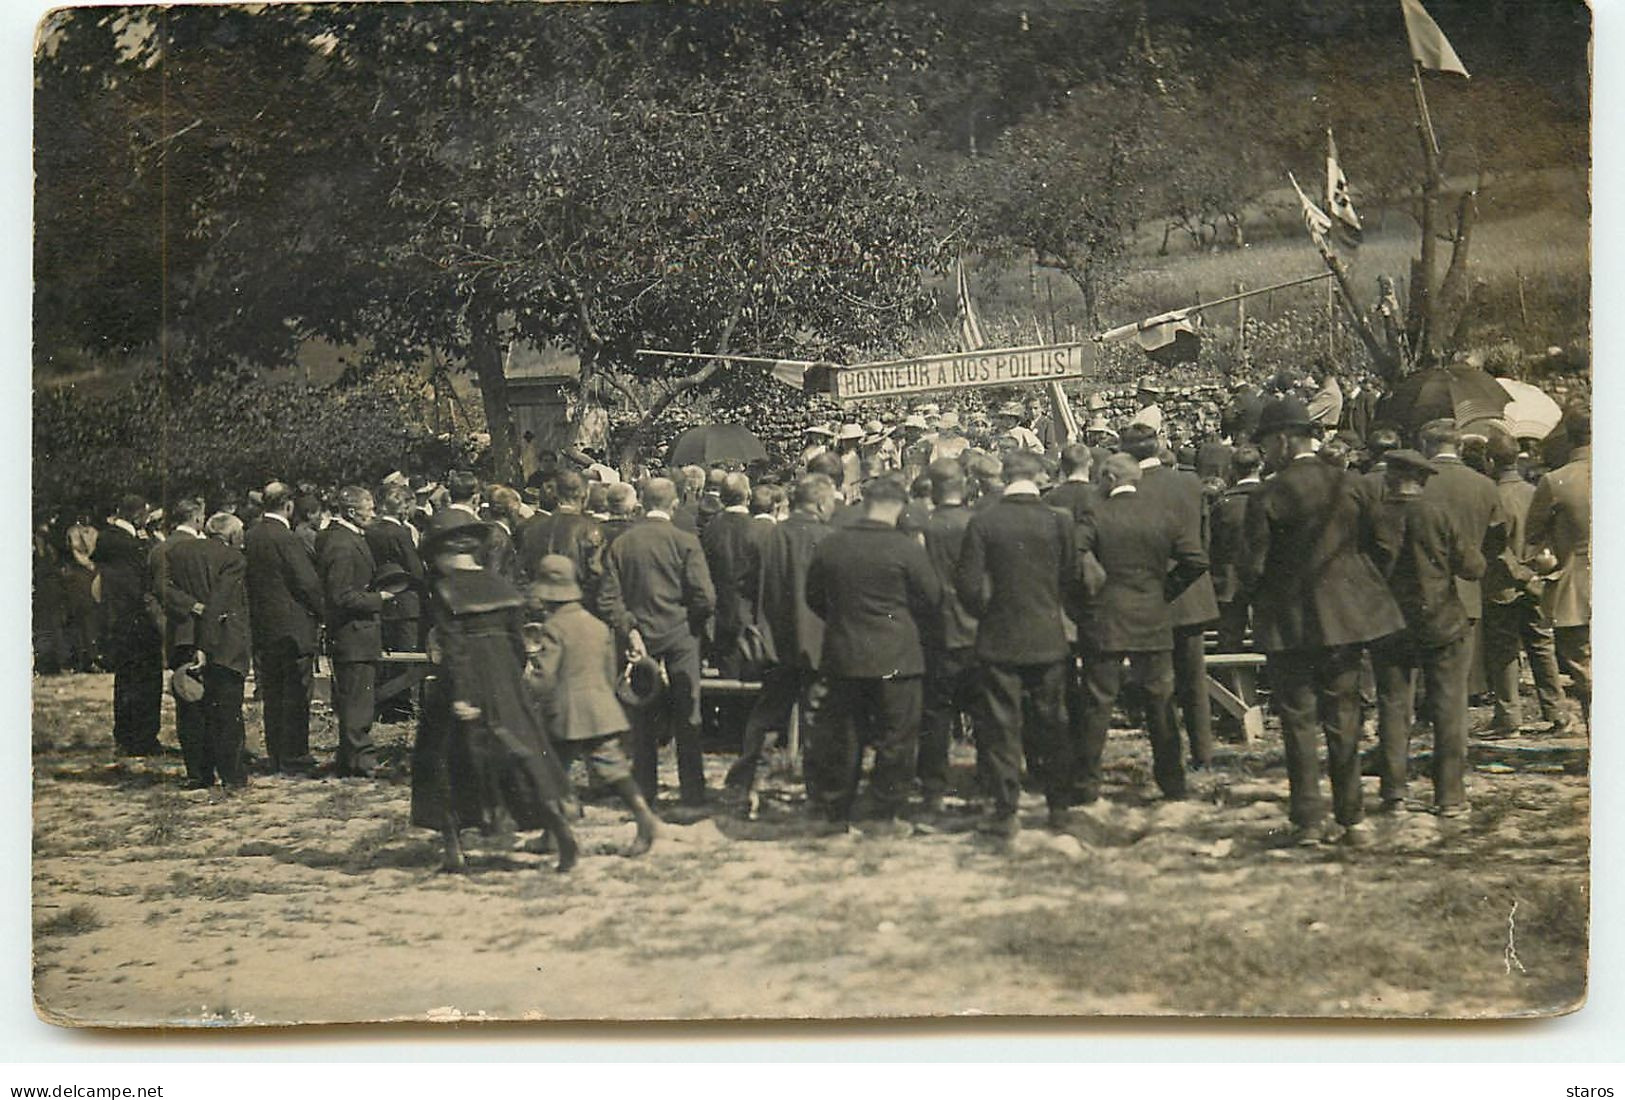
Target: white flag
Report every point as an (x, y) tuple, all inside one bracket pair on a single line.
[(1314, 218), (1429, 47), (1338, 203)]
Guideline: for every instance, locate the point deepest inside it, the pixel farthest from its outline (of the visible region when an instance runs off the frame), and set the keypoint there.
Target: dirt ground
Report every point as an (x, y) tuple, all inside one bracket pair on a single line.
[(315, 901)]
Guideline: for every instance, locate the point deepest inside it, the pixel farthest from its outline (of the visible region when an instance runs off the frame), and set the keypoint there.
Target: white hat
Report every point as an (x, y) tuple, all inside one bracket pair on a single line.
[(816, 429), (949, 419), (849, 431), (914, 420), (1098, 424)]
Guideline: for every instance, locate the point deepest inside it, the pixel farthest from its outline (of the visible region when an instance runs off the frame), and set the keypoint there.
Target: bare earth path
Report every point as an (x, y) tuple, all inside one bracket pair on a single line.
[(307, 901)]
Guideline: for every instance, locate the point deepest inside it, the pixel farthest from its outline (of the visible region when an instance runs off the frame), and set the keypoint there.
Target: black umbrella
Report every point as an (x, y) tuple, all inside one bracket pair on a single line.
[(1462, 394), (711, 444)]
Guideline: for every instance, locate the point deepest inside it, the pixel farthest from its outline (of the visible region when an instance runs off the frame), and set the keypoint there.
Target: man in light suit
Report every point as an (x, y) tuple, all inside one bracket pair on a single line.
[(284, 611), (211, 572), (1560, 519), (354, 636)]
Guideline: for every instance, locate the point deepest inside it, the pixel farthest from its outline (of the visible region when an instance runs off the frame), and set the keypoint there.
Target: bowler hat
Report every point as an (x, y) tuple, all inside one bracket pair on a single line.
[(555, 580), (392, 578), (185, 685), (1282, 414), (641, 682)]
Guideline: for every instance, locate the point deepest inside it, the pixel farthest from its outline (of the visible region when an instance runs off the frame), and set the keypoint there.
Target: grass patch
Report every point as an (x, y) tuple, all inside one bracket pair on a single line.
[(341, 805), (74, 921)]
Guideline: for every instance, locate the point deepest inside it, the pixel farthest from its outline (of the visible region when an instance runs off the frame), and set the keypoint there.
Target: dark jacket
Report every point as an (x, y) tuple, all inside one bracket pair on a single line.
[(1135, 538), (1078, 498), (1018, 574), (215, 575), (572, 534), (728, 542), (1472, 503), (352, 608), (873, 586), (1181, 493), (1240, 417), (1310, 531), (500, 554), (655, 581), (797, 631), (391, 543), (1227, 542), (944, 542), (1422, 553), (284, 592), (171, 606), (125, 588), (1213, 459)]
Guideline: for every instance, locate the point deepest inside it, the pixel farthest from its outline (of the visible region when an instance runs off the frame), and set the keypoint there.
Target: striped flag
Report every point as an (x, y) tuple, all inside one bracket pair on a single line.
[(1339, 205), (1314, 218), (970, 329), (1429, 47), (806, 375)]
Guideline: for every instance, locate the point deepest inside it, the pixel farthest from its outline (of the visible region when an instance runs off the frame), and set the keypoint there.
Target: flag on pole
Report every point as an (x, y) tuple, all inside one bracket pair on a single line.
[(1314, 218), (1429, 47), (1171, 338), (970, 329), (1338, 203), (805, 375)]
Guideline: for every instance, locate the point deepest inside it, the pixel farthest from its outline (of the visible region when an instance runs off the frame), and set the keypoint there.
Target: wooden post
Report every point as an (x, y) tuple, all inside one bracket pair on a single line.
[(1523, 307), (1241, 322)]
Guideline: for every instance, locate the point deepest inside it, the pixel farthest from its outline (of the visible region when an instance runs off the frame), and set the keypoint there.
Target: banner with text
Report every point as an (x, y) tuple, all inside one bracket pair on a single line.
[(964, 370)]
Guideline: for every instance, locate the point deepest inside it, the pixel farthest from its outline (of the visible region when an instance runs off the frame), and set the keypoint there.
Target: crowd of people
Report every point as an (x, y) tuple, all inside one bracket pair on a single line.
[(901, 585)]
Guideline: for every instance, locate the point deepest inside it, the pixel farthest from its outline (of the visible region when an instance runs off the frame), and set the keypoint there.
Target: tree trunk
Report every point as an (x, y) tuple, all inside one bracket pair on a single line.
[(1450, 304), (485, 356)]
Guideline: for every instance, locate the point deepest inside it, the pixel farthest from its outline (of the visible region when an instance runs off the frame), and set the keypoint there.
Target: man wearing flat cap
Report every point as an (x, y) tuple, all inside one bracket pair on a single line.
[(1423, 552), (1318, 599)]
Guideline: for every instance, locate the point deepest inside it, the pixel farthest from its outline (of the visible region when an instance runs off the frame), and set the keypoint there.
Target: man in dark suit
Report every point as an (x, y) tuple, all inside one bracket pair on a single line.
[(1227, 545), (173, 609), (284, 610), (1423, 552), (567, 530), (796, 633), (874, 588), (1317, 600), (354, 639), (727, 541), (623, 511), (1136, 539), (953, 686), (1017, 572), (212, 574), (394, 543), (132, 643), (1196, 606), (657, 594), (1471, 501), (1076, 494)]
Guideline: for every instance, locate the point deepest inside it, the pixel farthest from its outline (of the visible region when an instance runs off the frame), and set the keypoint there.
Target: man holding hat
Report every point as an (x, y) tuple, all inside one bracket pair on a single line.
[(874, 587), (210, 573), (1318, 599), (573, 667), (1423, 552)]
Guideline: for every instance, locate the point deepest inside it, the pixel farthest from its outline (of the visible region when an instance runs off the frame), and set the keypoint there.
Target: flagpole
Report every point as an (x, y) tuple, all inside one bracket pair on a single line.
[(665, 354), (1422, 106)]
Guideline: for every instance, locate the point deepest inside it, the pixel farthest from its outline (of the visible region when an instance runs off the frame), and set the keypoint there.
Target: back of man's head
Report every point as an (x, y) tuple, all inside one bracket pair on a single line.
[(829, 465), (225, 527), (1380, 442), (1245, 461), (1440, 437), (353, 498), (659, 494), (597, 497), (762, 499), (621, 499), (693, 479), (277, 497), (461, 486), (570, 487), (1577, 425), (396, 500), (734, 490), (1502, 452), (132, 507), (1121, 469), (813, 493), (187, 510), (1076, 458), (714, 477), (947, 481), (1022, 466), (985, 469), (1139, 442)]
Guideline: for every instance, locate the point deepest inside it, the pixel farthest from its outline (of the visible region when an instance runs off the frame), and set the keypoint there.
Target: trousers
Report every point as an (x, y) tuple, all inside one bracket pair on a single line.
[(138, 692), (858, 713), (953, 689), (220, 752), (1190, 692), (1318, 691), (1574, 658), (1024, 712), (287, 678), (1153, 673), (783, 688), (1511, 628), (674, 716), (1444, 673), (353, 703)]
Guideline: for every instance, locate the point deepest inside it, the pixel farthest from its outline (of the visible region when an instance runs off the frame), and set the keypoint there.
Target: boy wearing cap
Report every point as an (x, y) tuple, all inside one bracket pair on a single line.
[(1422, 553), (571, 673)]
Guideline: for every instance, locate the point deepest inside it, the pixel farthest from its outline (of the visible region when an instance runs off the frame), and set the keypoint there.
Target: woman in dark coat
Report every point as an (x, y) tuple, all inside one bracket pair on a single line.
[(482, 758)]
